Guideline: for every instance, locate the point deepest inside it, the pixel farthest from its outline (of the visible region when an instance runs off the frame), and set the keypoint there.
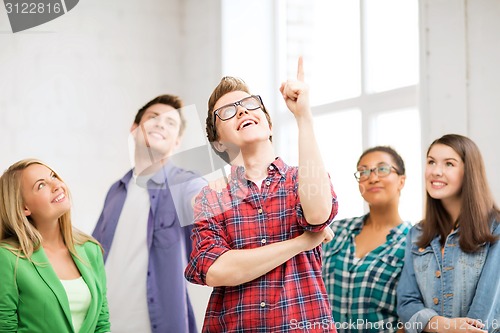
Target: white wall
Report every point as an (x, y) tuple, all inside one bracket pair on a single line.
[(460, 79), (70, 88)]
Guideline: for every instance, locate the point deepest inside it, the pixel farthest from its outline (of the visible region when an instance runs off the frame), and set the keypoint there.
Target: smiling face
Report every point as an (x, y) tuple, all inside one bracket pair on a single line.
[(377, 190), (158, 132), (44, 194), (246, 127), (444, 173)]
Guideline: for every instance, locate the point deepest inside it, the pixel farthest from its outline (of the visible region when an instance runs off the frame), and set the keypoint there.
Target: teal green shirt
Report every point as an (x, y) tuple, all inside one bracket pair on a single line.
[(362, 292)]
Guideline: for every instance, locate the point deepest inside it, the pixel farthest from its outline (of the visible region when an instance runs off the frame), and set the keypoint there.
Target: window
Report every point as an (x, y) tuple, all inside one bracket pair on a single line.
[(361, 61)]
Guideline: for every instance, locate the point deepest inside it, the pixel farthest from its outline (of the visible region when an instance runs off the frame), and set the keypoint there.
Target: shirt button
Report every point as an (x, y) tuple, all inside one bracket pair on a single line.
[(421, 249), (268, 183), (263, 241), (271, 167), (259, 210), (438, 274), (436, 300), (262, 304)]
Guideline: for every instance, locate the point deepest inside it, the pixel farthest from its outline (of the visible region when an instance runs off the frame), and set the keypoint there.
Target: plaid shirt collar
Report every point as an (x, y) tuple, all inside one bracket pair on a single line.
[(238, 172), (357, 224)]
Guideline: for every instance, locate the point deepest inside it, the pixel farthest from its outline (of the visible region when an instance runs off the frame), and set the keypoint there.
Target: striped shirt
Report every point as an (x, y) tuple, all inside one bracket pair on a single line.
[(290, 298), (362, 292)]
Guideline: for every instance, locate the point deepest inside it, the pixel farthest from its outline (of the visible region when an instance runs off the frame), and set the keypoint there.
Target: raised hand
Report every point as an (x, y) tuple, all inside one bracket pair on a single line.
[(296, 93)]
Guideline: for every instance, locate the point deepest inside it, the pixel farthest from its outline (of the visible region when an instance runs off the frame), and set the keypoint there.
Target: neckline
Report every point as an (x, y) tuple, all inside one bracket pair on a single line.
[(71, 280)]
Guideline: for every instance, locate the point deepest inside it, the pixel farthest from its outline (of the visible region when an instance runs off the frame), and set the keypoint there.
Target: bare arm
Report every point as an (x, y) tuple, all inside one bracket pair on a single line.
[(314, 184), (236, 267)]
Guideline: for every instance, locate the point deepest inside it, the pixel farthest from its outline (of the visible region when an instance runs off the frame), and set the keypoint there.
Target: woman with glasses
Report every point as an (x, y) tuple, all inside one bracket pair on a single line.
[(451, 278), (362, 264), (52, 276)]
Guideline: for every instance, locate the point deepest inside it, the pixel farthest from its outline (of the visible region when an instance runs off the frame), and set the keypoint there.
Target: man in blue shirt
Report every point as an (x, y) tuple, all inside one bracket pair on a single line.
[(145, 228)]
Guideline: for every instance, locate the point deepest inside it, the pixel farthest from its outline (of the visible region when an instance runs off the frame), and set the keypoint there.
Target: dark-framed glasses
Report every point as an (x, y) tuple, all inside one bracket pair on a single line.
[(228, 111), (382, 170)]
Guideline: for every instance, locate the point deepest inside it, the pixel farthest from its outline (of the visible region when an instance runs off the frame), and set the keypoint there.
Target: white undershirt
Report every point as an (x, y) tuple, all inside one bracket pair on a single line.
[(127, 265), (79, 300)]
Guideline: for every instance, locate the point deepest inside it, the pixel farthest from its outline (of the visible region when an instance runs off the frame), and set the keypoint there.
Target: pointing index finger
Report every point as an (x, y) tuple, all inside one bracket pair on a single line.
[(300, 70)]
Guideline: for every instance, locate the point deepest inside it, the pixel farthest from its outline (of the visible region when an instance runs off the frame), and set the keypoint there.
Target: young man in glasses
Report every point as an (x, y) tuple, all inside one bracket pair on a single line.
[(145, 228), (257, 242)]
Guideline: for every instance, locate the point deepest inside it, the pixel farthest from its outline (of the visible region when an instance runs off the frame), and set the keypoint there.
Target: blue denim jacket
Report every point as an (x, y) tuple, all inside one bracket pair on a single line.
[(457, 284)]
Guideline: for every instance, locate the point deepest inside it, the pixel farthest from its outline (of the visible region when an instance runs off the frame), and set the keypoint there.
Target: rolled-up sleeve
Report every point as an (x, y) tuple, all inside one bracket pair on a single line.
[(209, 237), (300, 213)]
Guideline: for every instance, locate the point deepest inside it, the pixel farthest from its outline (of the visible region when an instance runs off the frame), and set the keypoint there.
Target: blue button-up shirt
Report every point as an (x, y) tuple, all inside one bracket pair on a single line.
[(455, 284), (168, 238)]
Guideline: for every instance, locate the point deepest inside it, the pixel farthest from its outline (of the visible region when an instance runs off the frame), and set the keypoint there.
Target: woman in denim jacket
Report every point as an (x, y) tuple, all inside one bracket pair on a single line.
[(450, 281)]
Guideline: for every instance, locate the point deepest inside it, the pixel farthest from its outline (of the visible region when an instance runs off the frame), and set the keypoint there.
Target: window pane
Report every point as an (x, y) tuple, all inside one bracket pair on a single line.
[(401, 130), (391, 41), (327, 34), (339, 137)]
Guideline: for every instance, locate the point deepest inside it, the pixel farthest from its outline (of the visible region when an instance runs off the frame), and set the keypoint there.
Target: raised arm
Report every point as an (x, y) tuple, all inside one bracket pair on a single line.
[(314, 184)]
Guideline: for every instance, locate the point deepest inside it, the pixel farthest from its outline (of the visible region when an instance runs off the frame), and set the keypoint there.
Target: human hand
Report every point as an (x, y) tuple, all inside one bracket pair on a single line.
[(311, 240), (454, 325), (296, 93), (465, 325)]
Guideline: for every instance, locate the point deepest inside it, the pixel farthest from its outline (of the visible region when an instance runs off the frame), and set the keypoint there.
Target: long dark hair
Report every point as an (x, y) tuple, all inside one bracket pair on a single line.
[(478, 208)]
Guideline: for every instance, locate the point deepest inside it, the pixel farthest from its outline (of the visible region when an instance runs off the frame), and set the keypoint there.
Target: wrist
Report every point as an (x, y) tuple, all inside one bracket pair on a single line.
[(304, 118), (436, 324), (299, 244)]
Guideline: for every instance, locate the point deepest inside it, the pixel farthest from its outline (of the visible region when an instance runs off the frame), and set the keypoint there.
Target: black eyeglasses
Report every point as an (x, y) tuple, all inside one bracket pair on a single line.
[(228, 111), (383, 170)]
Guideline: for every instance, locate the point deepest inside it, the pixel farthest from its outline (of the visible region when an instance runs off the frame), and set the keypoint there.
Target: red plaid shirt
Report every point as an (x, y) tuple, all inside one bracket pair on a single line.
[(291, 297)]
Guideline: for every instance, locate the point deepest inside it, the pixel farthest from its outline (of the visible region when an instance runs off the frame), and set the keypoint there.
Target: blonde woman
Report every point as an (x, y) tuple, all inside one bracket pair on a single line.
[(51, 276)]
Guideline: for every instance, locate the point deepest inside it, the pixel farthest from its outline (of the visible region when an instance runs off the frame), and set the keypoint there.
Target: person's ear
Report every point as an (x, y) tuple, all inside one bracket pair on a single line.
[(219, 146), (177, 143), (402, 180), (27, 211), (134, 127)]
